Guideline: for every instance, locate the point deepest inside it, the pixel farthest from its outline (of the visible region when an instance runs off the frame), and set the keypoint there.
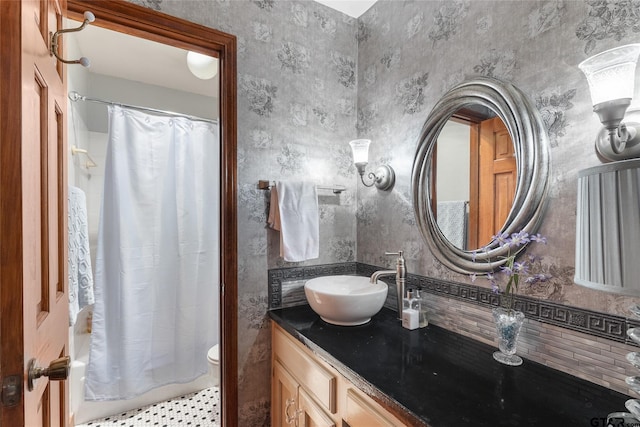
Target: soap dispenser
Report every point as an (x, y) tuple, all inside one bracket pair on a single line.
[(421, 306), (410, 316)]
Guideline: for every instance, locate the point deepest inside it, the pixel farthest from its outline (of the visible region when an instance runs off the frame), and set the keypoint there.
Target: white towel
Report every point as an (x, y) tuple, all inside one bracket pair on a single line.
[(80, 275), (294, 212)]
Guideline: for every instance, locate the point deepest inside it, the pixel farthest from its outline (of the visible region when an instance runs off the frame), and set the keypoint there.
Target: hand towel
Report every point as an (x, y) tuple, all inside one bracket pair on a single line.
[(297, 211), (452, 220), (274, 212), (80, 274)]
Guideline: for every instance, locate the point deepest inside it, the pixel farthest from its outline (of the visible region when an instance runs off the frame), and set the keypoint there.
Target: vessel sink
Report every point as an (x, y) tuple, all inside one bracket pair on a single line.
[(345, 300)]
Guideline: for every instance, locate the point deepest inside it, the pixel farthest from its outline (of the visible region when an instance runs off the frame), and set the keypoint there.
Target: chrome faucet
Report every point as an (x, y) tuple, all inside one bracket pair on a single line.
[(401, 276)]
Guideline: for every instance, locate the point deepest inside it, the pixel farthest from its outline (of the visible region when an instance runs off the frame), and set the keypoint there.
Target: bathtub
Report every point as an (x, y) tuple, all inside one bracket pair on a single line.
[(84, 411)]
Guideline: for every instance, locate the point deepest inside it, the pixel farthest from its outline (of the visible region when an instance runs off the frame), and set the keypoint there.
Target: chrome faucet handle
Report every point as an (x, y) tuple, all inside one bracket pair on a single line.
[(399, 253), (400, 263)]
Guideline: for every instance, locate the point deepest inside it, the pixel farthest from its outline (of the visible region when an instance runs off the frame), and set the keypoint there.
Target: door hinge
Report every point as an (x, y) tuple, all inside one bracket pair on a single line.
[(11, 390)]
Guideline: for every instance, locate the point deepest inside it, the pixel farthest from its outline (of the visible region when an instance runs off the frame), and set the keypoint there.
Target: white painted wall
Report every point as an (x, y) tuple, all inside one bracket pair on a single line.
[(145, 95), (453, 173)]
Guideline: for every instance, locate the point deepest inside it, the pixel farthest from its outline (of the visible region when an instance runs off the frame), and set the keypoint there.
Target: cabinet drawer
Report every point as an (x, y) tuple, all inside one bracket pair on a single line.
[(320, 382), (360, 412)]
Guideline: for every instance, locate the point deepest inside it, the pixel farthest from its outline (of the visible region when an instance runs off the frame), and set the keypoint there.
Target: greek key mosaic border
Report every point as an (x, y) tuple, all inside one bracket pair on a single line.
[(586, 321), (278, 276)]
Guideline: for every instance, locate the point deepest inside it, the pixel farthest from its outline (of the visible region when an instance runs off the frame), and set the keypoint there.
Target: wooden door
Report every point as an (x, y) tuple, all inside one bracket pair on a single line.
[(496, 183), (33, 220)]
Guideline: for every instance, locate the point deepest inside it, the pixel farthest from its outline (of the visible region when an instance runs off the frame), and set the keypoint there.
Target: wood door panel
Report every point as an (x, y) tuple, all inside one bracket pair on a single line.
[(503, 144), (311, 413), (504, 191), (504, 166), (35, 159), (283, 388), (496, 181)]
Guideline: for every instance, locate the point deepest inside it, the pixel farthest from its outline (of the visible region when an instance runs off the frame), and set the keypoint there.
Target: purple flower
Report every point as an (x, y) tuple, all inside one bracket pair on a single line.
[(495, 288), (515, 272), (507, 270), (542, 277), (520, 267), (533, 258), (492, 279), (518, 239), (501, 238), (537, 278), (538, 238)]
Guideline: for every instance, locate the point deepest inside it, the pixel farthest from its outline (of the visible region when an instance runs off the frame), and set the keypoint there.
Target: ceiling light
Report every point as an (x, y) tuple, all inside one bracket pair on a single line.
[(202, 66)]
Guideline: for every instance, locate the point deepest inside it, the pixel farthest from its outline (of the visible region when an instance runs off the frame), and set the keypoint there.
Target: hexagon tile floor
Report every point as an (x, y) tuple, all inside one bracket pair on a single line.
[(201, 409)]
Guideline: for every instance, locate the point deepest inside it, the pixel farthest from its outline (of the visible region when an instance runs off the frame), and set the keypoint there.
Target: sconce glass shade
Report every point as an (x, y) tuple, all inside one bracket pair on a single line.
[(611, 74), (383, 178), (202, 66), (608, 228), (360, 148)]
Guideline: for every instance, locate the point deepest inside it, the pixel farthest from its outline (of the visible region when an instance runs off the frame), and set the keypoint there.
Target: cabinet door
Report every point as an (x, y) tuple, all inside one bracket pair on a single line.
[(284, 391), (312, 414), (360, 413)]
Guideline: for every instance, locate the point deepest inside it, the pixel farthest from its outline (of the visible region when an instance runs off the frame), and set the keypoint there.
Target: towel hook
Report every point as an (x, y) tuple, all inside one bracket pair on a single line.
[(88, 18)]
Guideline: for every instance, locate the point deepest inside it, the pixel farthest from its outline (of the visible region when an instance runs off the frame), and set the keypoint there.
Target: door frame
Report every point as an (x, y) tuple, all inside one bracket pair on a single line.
[(129, 18)]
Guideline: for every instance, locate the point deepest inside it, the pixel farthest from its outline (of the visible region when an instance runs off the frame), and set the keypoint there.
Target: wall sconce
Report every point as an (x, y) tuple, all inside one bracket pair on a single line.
[(611, 76), (384, 177)]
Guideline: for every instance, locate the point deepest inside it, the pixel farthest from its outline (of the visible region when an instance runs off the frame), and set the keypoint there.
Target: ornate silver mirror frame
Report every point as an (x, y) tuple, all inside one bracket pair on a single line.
[(531, 146)]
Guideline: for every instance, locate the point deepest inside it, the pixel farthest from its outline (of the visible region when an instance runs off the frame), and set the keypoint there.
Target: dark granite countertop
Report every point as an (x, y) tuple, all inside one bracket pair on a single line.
[(438, 378)]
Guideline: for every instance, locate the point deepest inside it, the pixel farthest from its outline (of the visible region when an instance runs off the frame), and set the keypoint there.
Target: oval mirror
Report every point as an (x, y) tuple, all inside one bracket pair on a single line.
[(473, 177), (498, 178)]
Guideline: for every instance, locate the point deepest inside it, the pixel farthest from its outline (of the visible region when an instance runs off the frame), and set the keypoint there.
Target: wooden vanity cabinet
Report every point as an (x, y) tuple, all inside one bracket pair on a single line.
[(291, 405), (308, 392)]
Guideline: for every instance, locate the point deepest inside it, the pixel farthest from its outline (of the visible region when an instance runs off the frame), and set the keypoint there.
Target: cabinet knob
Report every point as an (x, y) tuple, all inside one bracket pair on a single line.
[(292, 418)]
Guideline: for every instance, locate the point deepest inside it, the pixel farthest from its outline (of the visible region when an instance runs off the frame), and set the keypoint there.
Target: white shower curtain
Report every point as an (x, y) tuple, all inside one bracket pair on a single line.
[(157, 276)]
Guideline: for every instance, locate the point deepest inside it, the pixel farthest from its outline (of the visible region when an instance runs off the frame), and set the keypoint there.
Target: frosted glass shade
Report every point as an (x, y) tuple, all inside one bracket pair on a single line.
[(608, 228), (360, 148), (611, 74), (202, 66)]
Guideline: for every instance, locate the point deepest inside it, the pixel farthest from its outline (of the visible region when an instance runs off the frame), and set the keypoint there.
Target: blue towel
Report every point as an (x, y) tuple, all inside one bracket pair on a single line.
[(80, 274), (452, 220)]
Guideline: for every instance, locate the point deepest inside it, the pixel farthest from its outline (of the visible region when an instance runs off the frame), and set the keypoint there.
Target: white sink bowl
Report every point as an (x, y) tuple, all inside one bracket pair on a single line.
[(345, 300)]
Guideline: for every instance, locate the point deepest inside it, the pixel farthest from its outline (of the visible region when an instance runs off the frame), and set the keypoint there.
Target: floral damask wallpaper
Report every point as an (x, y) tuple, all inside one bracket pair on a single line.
[(297, 98), (537, 46), (311, 79)]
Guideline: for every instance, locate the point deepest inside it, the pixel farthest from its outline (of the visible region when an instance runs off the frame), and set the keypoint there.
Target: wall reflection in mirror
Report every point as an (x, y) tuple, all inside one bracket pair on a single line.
[(474, 177)]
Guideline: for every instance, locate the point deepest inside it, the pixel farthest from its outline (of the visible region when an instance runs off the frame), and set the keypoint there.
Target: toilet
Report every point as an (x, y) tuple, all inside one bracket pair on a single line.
[(213, 357)]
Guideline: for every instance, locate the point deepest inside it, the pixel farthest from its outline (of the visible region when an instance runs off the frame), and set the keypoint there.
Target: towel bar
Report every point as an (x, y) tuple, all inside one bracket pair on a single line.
[(337, 189), (89, 163)]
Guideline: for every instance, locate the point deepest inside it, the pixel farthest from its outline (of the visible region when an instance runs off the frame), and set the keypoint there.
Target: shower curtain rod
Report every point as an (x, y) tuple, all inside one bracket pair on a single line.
[(75, 96)]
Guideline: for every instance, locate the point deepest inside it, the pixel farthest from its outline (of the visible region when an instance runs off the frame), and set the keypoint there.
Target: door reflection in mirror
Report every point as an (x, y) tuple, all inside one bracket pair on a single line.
[(474, 177)]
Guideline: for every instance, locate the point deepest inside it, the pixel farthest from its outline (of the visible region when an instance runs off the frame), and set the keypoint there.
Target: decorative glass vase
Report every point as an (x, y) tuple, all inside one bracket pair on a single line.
[(508, 324)]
